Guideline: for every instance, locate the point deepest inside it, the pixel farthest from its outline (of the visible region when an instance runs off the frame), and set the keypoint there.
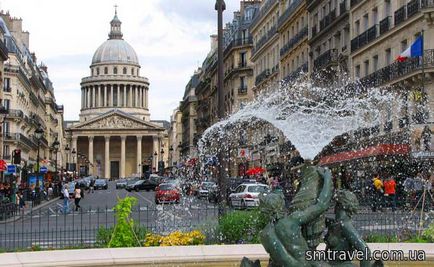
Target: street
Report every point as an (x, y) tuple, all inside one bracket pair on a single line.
[(48, 226)]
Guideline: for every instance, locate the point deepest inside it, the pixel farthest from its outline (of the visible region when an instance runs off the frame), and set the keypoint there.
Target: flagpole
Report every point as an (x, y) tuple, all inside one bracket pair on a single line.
[(423, 70)]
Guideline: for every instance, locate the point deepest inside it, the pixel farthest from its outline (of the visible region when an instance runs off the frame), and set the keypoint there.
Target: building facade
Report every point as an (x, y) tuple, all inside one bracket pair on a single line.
[(175, 137), (265, 54), (329, 37), (28, 96), (115, 136), (293, 33)]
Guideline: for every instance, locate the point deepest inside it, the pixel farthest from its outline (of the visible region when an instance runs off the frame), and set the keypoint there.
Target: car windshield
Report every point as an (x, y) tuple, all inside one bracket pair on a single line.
[(100, 181), (257, 189), (133, 181), (121, 181), (165, 187), (207, 185)]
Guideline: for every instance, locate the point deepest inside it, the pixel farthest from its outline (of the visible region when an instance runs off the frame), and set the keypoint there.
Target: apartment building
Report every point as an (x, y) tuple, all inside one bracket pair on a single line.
[(28, 95), (293, 35), (329, 37), (266, 53)]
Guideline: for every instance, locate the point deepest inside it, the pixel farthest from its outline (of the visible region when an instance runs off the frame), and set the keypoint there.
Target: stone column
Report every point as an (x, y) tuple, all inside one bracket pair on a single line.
[(146, 98), (107, 157), (155, 149), (123, 138), (74, 146), (82, 98), (140, 96), (91, 155), (94, 96), (105, 96), (139, 154), (124, 91), (118, 90), (130, 96), (99, 96)]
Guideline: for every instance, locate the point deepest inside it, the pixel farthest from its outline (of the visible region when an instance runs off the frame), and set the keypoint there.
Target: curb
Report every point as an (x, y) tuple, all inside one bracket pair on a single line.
[(31, 210)]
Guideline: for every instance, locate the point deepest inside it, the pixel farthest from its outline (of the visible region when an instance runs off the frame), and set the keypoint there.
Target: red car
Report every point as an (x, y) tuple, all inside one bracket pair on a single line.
[(167, 193)]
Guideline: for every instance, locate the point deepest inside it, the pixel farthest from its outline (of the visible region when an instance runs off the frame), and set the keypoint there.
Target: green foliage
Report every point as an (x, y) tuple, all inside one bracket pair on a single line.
[(104, 235), (123, 233), (242, 226), (417, 239), (381, 238), (211, 229), (428, 234)]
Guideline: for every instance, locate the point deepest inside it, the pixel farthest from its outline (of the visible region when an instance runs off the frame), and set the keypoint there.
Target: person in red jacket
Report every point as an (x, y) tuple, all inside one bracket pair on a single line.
[(390, 192)]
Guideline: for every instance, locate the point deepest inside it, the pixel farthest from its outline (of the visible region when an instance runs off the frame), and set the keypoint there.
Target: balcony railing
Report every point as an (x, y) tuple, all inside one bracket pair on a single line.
[(242, 90), (327, 20), (397, 70), (372, 33), (314, 31), (15, 113), (238, 42), (288, 12), (399, 15), (294, 40), (342, 7), (264, 39), (263, 11), (20, 138), (293, 75), (385, 25), (413, 7), (325, 59), (355, 2), (262, 76)]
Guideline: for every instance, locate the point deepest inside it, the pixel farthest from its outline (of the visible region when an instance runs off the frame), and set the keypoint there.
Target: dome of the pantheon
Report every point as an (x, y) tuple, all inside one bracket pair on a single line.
[(115, 50)]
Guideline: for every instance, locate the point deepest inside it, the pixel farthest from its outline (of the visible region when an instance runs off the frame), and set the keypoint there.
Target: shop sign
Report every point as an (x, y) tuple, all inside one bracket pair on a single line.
[(422, 154), (243, 153)]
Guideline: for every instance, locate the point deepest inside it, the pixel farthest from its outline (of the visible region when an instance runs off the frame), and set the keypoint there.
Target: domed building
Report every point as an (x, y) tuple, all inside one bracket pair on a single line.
[(115, 136)]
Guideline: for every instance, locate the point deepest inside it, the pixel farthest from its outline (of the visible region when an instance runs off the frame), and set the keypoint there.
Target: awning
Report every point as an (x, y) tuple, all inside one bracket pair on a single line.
[(378, 150)]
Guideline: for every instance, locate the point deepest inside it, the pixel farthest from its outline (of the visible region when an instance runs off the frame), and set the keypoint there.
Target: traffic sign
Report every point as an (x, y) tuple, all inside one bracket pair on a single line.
[(43, 169), (12, 169), (2, 165)]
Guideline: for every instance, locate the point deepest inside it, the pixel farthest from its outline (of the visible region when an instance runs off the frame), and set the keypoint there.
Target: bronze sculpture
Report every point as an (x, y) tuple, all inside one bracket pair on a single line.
[(287, 238)]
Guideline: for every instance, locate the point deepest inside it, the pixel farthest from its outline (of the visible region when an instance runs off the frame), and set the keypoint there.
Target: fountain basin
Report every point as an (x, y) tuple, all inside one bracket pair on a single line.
[(180, 256)]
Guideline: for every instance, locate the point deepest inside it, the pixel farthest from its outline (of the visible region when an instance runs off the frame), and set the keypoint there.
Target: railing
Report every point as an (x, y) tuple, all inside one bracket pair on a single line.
[(314, 31), (413, 7), (293, 75), (397, 70), (263, 11), (238, 42), (385, 25), (294, 40), (15, 113), (18, 137), (355, 2), (262, 76), (326, 59), (342, 7), (242, 90), (372, 33), (264, 39), (399, 15), (288, 12)]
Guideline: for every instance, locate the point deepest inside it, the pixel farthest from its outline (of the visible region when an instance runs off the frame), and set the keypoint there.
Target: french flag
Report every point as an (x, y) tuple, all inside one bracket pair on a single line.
[(415, 50)]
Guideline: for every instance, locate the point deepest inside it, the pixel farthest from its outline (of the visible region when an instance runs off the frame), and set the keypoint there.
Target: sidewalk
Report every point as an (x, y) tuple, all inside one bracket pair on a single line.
[(30, 210)]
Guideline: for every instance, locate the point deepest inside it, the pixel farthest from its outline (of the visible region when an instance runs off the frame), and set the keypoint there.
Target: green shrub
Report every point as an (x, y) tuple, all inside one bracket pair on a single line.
[(381, 238), (123, 234), (103, 236), (241, 226), (428, 234)]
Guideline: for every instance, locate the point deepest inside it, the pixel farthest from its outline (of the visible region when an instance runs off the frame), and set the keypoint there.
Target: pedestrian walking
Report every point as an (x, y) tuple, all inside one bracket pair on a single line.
[(378, 192), (66, 199), (20, 201), (91, 185), (77, 197), (390, 192)]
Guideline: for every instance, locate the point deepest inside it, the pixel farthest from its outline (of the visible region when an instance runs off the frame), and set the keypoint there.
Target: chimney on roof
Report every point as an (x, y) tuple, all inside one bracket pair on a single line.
[(213, 42)]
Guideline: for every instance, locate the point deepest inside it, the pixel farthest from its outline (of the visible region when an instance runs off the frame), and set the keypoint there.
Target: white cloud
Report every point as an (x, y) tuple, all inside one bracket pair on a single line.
[(170, 37)]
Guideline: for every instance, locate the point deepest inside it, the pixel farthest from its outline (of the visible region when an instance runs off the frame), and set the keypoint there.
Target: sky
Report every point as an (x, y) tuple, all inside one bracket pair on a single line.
[(171, 38)]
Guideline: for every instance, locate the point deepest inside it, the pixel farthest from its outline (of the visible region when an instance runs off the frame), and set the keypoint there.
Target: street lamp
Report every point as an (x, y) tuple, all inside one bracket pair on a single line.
[(38, 134), (73, 152), (171, 155), (3, 113), (220, 6), (55, 146)]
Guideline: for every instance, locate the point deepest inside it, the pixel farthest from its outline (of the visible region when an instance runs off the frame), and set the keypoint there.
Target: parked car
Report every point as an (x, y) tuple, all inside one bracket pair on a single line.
[(247, 195), (101, 184), (148, 184), (204, 188), (167, 192), (122, 183)]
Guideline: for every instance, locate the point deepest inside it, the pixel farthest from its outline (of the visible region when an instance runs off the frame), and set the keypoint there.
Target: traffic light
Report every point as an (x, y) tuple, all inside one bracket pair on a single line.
[(16, 156)]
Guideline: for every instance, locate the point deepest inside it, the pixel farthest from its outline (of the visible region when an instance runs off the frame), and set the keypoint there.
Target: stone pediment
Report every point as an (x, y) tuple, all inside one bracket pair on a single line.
[(117, 121)]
